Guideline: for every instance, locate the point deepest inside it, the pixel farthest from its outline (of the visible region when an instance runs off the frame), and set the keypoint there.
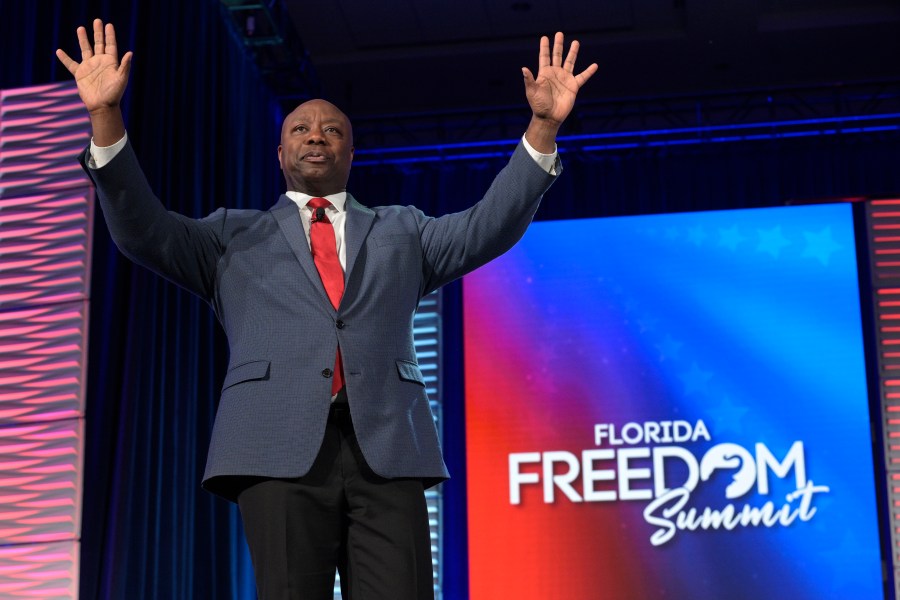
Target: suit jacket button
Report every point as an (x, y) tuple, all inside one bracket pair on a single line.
[(340, 324), (326, 373)]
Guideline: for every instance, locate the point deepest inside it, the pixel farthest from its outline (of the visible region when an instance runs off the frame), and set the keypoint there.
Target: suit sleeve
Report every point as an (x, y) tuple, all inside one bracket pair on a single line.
[(456, 244), (183, 250)]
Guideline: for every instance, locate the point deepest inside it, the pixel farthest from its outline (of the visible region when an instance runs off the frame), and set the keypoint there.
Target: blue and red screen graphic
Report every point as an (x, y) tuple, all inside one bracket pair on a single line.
[(671, 406)]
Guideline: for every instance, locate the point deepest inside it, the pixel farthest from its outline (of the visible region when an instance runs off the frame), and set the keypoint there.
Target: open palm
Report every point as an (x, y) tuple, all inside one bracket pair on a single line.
[(552, 93), (101, 78)]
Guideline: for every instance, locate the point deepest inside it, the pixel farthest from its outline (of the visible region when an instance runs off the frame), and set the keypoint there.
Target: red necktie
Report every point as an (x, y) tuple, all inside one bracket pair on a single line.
[(324, 252)]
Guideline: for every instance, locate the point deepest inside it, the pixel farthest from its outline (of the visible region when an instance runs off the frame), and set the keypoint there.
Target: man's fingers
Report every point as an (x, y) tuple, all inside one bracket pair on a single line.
[(125, 66), (111, 46), (569, 65), (529, 77), (67, 61), (558, 43), (98, 37), (544, 55), (83, 42), (582, 77)]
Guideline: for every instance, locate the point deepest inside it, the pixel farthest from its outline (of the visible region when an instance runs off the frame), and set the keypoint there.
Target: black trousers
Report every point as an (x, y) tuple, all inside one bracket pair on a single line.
[(342, 516)]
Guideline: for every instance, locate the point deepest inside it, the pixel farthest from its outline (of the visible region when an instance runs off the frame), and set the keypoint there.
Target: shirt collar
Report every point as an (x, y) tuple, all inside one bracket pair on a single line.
[(300, 199)]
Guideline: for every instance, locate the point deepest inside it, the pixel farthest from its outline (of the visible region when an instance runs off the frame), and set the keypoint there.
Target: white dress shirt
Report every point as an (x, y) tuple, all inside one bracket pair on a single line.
[(336, 213)]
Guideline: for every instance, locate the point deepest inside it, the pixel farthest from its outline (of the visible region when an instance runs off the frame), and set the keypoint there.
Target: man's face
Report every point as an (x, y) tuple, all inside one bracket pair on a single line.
[(316, 149)]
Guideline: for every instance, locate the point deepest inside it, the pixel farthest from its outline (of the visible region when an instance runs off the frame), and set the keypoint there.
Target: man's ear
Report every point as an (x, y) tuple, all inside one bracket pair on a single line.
[(280, 164), (352, 149)]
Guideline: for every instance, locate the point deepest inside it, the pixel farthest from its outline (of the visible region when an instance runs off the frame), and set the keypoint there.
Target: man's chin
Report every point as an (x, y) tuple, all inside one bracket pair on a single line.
[(317, 171)]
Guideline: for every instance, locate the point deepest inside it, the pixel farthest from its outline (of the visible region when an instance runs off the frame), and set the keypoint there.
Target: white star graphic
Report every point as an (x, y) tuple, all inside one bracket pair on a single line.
[(730, 238), (771, 241), (669, 348), (695, 380), (820, 245), (728, 416), (696, 235)]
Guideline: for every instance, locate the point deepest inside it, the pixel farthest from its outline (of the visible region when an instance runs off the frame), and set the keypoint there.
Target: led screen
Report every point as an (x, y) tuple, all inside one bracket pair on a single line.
[(671, 406)]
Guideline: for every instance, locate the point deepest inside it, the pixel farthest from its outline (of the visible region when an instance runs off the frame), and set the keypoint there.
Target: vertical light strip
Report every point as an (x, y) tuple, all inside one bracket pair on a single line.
[(427, 338), (46, 215), (883, 225)]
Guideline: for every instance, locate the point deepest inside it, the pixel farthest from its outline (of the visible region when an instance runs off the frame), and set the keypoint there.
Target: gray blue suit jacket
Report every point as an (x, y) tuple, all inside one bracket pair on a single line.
[(256, 271)]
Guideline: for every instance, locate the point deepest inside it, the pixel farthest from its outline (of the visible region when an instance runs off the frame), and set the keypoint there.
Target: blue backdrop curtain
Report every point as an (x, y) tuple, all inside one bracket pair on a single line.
[(206, 130)]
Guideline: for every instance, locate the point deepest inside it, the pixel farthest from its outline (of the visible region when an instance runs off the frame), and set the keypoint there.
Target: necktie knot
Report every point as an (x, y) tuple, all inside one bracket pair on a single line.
[(318, 203), (318, 206)]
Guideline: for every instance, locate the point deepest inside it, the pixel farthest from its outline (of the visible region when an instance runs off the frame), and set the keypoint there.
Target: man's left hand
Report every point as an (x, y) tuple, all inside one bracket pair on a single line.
[(552, 94)]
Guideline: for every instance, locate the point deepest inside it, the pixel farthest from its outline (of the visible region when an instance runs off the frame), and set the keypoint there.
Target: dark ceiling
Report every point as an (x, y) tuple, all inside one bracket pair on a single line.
[(403, 56)]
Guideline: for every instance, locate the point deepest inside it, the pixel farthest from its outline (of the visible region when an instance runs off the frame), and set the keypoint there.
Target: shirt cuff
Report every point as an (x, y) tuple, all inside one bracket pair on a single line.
[(545, 161), (100, 156)]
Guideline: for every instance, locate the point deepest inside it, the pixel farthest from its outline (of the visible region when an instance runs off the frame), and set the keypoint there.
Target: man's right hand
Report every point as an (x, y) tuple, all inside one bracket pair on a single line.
[(101, 80)]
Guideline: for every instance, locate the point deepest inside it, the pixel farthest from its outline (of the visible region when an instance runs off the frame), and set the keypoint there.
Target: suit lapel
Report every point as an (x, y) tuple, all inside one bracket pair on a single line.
[(287, 215), (359, 222)]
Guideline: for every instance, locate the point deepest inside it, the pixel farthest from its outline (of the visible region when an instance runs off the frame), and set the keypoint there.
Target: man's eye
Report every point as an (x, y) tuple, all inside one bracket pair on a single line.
[(300, 128)]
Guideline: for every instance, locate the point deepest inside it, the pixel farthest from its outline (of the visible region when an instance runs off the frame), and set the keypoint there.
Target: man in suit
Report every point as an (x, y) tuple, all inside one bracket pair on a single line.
[(323, 435)]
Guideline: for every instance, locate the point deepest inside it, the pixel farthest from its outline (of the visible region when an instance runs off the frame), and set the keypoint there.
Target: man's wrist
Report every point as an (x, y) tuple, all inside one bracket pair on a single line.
[(545, 161), (107, 125), (541, 134), (101, 155)]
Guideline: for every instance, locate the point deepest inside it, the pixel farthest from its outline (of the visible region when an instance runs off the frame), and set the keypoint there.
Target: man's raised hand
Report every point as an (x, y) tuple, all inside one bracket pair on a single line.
[(551, 94), (101, 78)]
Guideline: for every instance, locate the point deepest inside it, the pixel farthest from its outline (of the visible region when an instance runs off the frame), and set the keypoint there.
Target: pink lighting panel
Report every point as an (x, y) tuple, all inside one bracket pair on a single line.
[(44, 247), (40, 482), (42, 361), (42, 130), (39, 570), (46, 217)]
